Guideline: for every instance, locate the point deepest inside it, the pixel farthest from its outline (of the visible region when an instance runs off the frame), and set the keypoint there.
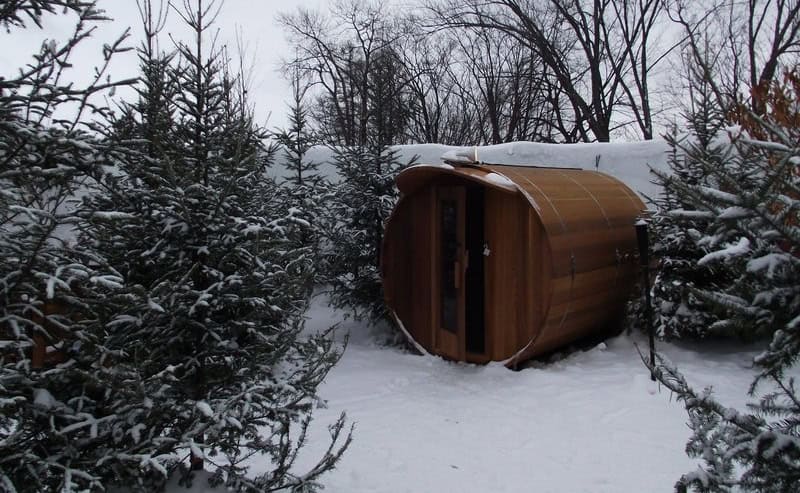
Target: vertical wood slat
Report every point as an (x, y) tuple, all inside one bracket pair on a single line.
[(521, 247), (420, 240), (461, 296), (505, 313), (575, 229), (491, 298), (536, 282), (432, 266)]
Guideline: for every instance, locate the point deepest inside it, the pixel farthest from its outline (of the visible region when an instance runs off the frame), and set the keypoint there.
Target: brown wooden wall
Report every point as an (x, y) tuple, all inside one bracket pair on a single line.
[(407, 264), (587, 220), (562, 259)]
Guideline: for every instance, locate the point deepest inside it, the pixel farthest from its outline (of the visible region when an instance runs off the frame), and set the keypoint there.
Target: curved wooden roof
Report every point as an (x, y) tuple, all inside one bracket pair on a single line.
[(415, 177), (567, 201)]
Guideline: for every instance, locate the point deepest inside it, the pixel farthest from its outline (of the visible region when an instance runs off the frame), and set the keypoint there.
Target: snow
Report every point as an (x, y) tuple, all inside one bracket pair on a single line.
[(205, 409), (682, 213), (407, 335), (499, 180), (630, 162), (778, 443), (769, 262), (44, 399), (590, 422), (112, 215), (735, 212), (438, 166), (731, 250), (720, 195), (52, 281), (154, 306), (136, 432), (109, 281), (461, 156)]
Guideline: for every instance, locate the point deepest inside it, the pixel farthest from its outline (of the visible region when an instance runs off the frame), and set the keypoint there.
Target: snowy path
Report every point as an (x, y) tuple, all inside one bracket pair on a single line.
[(593, 422)]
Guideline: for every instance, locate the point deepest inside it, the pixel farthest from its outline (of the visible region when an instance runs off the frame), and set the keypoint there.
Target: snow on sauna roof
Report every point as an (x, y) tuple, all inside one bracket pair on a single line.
[(630, 162), (414, 176)]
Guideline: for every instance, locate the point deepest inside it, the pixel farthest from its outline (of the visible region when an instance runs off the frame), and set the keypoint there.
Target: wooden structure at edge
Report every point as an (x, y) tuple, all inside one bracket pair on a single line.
[(503, 263)]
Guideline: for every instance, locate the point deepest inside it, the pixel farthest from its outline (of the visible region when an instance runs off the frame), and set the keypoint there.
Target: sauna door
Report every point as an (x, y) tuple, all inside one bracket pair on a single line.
[(450, 267)]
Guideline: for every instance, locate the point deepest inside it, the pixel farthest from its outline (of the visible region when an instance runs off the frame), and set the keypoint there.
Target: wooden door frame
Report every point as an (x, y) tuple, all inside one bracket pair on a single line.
[(446, 343)]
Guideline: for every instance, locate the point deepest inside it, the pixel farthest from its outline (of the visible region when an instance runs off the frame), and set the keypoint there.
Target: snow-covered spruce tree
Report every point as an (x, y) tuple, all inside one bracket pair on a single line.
[(363, 199), (360, 204), (298, 139), (754, 229), (209, 322), (144, 123), (55, 390), (304, 186), (678, 228)]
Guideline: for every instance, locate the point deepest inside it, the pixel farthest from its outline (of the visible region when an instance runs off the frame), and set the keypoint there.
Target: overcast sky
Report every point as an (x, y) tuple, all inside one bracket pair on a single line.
[(255, 19)]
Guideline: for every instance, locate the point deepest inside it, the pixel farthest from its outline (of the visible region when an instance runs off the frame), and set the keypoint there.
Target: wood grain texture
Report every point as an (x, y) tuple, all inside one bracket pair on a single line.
[(562, 261)]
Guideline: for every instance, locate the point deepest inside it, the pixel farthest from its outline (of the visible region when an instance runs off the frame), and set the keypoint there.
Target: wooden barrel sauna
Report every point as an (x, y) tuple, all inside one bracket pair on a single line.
[(503, 263)]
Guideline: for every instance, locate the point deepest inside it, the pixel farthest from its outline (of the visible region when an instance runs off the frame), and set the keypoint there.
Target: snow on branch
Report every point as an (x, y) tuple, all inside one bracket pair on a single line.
[(731, 250), (688, 214)]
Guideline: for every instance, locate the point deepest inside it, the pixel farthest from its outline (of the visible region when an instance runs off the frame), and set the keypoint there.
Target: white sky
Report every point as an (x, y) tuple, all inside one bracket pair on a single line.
[(264, 39)]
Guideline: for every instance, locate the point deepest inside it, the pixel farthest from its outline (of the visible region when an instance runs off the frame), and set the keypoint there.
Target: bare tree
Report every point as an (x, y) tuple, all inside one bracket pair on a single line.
[(635, 23), (440, 113), (752, 41), (477, 85), (506, 84), (344, 53), (600, 65)]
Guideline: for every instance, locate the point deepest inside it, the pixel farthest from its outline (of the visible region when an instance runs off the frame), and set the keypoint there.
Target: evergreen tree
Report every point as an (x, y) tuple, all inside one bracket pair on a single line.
[(680, 309), (753, 231), (360, 204), (387, 99), (208, 324), (55, 423), (298, 139), (145, 123), (366, 164), (304, 186)]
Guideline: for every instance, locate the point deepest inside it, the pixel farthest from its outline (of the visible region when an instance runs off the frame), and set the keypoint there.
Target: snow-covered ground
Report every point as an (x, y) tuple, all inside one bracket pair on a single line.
[(590, 422)]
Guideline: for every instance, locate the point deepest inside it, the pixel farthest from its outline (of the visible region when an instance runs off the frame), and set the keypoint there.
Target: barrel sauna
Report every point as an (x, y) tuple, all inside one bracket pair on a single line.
[(485, 262)]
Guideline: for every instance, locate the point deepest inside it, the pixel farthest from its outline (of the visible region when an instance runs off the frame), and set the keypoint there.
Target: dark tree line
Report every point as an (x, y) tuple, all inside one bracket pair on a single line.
[(488, 72)]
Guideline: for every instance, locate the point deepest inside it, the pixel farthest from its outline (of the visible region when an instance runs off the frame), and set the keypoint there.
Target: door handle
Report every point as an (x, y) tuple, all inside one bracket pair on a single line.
[(460, 268)]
